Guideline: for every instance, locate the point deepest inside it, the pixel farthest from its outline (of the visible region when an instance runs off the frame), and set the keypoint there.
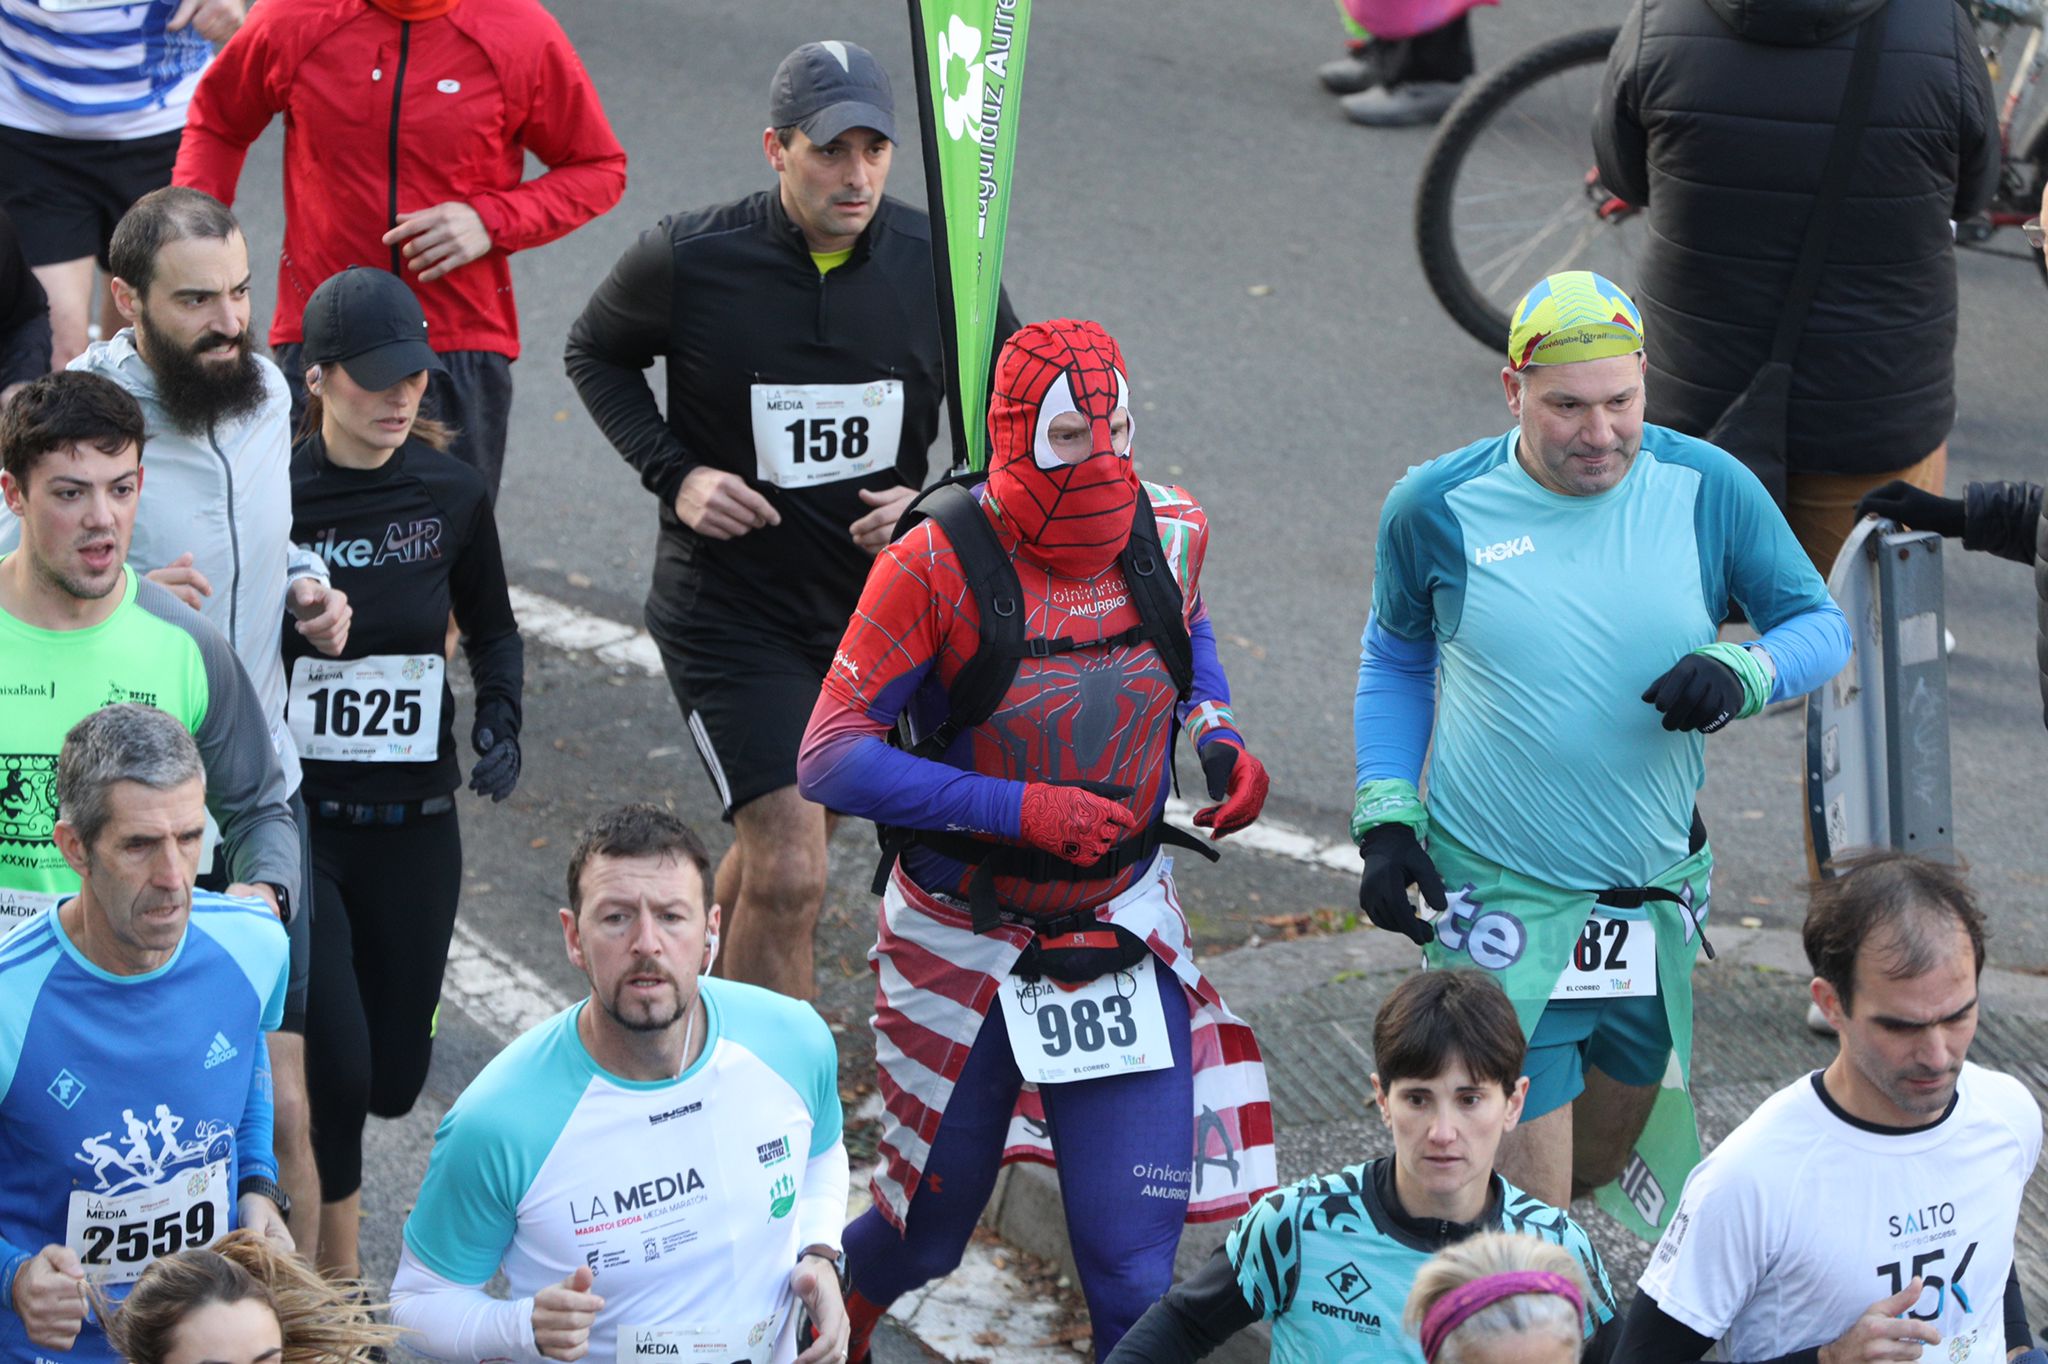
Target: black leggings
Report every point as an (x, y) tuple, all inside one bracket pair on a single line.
[(386, 897)]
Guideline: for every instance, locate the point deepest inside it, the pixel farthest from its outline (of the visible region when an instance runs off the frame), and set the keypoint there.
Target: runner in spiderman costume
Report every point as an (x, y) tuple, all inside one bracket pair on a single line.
[(1029, 930)]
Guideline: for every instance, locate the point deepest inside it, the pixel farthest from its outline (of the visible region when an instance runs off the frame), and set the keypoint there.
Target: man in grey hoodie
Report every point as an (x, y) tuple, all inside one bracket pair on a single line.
[(214, 521)]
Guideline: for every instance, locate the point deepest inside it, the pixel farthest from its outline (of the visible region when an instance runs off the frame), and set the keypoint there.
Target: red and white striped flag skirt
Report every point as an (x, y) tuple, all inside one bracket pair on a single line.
[(936, 979)]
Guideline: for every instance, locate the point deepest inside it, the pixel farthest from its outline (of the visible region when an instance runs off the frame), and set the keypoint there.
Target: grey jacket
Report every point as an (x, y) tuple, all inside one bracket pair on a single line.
[(225, 496)]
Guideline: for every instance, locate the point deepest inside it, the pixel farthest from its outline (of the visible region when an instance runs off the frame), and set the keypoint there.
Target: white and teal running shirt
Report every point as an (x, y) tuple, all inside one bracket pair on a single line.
[(688, 1199), (132, 1106), (1544, 617)]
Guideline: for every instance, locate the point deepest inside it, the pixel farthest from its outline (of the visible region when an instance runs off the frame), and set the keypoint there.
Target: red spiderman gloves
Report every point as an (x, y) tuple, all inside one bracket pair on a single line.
[(1237, 782), (1069, 822)]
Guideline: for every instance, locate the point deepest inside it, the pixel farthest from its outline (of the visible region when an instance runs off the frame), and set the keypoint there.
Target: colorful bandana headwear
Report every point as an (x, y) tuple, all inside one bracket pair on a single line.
[(1458, 1306), (1071, 519), (1571, 317)]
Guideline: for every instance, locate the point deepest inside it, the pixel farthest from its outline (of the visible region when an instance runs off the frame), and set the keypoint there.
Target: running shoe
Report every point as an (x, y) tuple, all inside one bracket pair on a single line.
[(1410, 104)]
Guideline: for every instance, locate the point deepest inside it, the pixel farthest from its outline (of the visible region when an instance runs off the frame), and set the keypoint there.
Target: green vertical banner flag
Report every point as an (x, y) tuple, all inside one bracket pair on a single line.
[(970, 66)]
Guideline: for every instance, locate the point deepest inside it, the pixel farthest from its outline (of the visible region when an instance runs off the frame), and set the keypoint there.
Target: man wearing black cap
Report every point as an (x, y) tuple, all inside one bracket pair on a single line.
[(805, 374)]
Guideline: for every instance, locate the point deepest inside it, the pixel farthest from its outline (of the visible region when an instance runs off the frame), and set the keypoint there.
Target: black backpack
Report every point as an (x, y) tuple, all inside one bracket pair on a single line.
[(985, 680)]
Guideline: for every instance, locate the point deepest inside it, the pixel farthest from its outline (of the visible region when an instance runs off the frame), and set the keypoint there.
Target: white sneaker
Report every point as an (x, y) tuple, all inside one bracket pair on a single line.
[(1407, 105)]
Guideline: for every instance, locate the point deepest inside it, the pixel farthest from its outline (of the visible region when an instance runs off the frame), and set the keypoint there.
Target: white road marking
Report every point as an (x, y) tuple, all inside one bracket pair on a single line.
[(577, 631), (494, 989)]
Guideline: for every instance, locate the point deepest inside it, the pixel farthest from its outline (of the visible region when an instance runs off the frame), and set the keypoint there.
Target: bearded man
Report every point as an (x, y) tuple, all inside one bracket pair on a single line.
[(213, 522)]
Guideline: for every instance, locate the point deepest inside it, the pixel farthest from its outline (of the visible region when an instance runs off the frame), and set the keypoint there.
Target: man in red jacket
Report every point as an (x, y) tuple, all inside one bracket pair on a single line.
[(408, 126)]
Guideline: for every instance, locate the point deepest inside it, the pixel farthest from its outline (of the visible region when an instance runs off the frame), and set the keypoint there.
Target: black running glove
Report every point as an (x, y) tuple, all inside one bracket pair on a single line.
[(1394, 860), (1699, 693), (497, 763), (1900, 501)]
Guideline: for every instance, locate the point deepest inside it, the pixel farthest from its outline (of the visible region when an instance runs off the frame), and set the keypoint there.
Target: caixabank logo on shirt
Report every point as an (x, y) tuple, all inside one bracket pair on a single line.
[(28, 797)]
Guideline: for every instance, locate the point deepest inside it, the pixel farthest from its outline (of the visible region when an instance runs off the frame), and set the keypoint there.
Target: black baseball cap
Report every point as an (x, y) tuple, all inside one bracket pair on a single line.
[(369, 323), (826, 88)]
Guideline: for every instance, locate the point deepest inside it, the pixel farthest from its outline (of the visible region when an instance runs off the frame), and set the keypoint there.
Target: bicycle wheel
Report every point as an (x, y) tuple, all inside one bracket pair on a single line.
[(1508, 191)]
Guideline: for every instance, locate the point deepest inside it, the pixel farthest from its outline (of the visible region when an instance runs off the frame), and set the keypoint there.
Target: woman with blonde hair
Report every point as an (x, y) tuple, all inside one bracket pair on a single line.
[(243, 1301), (1498, 1298)]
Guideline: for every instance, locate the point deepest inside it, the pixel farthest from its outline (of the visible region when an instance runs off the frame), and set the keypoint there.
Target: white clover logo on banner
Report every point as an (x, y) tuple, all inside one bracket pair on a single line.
[(961, 79)]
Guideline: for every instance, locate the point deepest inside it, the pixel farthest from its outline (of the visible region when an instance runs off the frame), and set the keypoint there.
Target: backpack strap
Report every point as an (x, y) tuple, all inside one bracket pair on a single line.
[(980, 685), (1161, 608)]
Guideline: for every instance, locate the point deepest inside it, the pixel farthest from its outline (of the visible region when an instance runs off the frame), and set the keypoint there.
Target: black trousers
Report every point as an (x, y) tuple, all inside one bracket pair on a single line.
[(386, 898)]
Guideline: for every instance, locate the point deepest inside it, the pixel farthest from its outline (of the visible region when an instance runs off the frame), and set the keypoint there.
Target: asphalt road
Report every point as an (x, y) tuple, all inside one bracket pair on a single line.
[(1180, 178)]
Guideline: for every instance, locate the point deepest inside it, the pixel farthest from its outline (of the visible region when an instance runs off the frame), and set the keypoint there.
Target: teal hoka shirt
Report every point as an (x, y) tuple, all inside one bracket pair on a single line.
[(1328, 1265), (1551, 615)]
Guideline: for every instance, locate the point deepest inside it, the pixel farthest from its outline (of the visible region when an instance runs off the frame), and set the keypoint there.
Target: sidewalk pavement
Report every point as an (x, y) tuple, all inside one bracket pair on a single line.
[(1311, 1001)]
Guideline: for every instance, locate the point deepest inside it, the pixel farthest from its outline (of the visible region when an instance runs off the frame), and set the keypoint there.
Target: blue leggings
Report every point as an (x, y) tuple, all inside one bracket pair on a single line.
[(1124, 1144)]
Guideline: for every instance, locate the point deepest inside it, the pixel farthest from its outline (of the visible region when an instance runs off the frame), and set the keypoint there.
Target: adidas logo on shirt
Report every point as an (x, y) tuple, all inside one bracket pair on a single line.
[(220, 1051)]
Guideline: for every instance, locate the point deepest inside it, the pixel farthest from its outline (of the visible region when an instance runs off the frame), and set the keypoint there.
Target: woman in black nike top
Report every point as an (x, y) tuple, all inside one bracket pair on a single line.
[(407, 531)]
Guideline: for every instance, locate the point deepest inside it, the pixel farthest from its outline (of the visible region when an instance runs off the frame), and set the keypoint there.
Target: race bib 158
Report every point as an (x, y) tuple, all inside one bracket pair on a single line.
[(807, 434)]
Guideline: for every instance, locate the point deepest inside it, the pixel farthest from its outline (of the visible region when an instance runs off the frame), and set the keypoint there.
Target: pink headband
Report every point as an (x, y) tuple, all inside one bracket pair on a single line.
[(1456, 1307)]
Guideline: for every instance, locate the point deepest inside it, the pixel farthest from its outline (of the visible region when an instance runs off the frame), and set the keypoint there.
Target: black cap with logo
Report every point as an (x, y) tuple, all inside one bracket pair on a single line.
[(826, 88), (369, 323)]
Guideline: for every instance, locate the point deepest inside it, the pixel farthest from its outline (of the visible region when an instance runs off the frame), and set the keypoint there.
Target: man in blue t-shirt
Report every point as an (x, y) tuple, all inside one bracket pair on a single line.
[(1544, 618), (1329, 1261), (135, 1106)]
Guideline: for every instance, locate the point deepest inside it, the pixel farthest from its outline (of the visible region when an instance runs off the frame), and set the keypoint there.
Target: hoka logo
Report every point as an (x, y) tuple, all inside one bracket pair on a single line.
[(220, 1052), (1504, 549)]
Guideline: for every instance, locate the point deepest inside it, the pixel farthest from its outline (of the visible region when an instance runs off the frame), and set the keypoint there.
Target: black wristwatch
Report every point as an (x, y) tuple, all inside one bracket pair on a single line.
[(837, 1258), (284, 900), (269, 1188)]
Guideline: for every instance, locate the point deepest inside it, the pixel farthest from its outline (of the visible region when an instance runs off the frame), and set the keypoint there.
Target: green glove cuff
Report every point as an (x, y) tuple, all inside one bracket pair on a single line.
[(1756, 679), (1388, 801)]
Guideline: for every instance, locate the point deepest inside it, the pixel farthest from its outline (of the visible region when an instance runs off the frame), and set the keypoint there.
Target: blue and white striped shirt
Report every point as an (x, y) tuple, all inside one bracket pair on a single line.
[(99, 74)]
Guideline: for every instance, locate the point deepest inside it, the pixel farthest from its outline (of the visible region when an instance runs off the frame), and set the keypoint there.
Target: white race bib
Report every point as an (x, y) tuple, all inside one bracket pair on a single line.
[(807, 434), (117, 1236), (1110, 1026), (745, 1343), (1613, 959), (382, 709), (17, 907)]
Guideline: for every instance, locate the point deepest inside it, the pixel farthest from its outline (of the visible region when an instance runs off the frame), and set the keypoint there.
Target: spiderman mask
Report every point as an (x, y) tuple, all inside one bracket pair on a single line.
[(1069, 500)]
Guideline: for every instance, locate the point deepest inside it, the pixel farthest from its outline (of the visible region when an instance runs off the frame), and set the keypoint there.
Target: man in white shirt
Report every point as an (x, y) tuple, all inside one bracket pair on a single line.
[(658, 1169), (1866, 1211)]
